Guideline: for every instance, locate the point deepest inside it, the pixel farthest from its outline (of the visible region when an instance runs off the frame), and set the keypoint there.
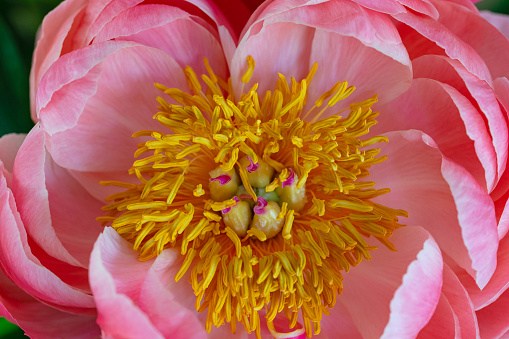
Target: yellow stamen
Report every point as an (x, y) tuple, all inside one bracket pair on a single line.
[(286, 258)]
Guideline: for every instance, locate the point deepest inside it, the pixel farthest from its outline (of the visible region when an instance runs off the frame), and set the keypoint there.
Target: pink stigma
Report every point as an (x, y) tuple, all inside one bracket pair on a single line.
[(290, 180), (227, 209), (253, 167), (223, 179), (260, 208)]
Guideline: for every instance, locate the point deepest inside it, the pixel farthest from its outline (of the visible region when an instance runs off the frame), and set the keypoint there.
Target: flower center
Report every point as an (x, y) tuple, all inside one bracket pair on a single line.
[(264, 200)]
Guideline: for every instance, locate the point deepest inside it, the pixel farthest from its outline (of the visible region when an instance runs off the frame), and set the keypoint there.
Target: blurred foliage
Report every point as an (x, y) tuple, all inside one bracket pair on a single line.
[(19, 21)]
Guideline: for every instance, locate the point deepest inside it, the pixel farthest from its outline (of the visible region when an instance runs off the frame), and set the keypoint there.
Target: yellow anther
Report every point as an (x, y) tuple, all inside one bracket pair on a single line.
[(250, 68)]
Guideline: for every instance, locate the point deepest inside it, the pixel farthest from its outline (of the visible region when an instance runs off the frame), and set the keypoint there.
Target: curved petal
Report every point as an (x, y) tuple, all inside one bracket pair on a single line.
[(480, 94), (498, 283), (455, 315), (359, 40), (461, 304), (39, 320), (500, 21), (424, 35), (57, 212), (124, 84), (25, 270), (450, 119), (443, 198), (9, 146), (395, 293), (161, 296), (484, 38), (493, 320), (115, 277), (69, 83), (50, 40), (171, 30), (444, 324)]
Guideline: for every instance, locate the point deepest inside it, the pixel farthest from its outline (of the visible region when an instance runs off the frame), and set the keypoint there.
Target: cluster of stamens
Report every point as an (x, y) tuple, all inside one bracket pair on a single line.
[(266, 204)]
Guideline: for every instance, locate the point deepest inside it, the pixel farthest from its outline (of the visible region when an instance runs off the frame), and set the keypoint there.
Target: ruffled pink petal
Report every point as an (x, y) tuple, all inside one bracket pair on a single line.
[(444, 324), (204, 9), (161, 295), (450, 119), (484, 38), (442, 197), (25, 270), (57, 212), (395, 294), (453, 73), (125, 83), (169, 29), (428, 34), (39, 320), (422, 6), (455, 315), (52, 34), (493, 320), (460, 302), (501, 193), (115, 277), (498, 283), (367, 50), (69, 83)]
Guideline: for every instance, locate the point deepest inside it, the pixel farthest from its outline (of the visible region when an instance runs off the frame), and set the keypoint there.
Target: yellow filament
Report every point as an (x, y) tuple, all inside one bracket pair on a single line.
[(297, 273)]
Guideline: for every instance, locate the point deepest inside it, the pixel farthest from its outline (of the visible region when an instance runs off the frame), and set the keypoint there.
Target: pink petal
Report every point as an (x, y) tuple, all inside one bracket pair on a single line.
[(339, 324), (54, 29), (501, 193), (444, 324), (498, 283), (57, 212), (460, 302), (500, 21), (454, 74), (291, 40), (437, 33), (69, 83), (421, 6), (395, 294), (493, 320), (39, 320), (470, 27), (9, 146), (442, 197), (451, 120), (161, 296), (125, 84), (25, 270), (455, 315), (169, 29), (116, 276)]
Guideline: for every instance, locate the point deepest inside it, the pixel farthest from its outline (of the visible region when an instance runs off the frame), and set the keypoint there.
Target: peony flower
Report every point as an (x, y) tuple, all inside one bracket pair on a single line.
[(327, 168)]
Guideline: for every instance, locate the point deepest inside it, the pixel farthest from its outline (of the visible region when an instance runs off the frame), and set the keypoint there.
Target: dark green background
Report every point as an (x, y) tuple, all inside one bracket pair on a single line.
[(19, 20)]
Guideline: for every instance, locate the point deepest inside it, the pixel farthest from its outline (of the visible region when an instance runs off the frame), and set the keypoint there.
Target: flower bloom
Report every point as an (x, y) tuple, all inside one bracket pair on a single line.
[(276, 158)]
